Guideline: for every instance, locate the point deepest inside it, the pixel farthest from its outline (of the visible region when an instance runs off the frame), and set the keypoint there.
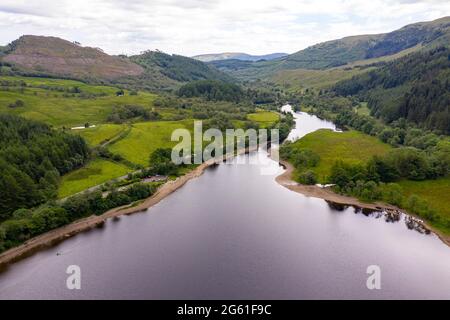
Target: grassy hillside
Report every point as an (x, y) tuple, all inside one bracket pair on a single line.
[(146, 137), (426, 198), (435, 192), (94, 173), (298, 79), (352, 147), (294, 80), (340, 52), (64, 102), (347, 50), (102, 133), (264, 118)]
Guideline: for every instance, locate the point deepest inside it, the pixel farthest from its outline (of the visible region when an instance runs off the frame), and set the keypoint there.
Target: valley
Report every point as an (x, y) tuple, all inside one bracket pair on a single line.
[(364, 123)]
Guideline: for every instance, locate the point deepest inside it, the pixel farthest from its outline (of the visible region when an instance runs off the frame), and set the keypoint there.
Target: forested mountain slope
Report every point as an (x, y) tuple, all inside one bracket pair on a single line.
[(32, 158), (415, 87), (164, 71), (346, 50)]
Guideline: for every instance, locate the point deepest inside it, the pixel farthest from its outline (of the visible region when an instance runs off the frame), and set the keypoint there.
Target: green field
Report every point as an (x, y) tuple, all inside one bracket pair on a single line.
[(146, 137), (264, 118), (293, 80), (61, 83), (136, 146), (101, 133), (300, 78), (363, 109), (435, 192), (352, 147), (62, 108), (94, 173)]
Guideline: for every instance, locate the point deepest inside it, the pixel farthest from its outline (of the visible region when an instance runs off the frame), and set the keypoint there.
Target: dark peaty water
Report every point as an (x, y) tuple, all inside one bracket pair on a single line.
[(236, 234)]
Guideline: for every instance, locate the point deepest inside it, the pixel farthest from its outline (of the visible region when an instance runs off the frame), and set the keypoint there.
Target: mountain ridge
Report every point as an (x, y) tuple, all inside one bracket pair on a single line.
[(339, 52), (55, 57), (238, 56)]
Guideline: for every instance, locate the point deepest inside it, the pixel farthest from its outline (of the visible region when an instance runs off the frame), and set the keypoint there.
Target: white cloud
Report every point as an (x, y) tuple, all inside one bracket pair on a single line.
[(191, 27)]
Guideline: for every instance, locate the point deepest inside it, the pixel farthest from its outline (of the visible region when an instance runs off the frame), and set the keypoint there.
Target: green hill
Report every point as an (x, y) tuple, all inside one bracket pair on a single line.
[(163, 71), (55, 57), (344, 51)]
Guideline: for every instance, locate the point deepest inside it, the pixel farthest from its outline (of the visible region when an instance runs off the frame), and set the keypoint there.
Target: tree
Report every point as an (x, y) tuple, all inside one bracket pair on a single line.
[(32, 158), (308, 177), (304, 158)]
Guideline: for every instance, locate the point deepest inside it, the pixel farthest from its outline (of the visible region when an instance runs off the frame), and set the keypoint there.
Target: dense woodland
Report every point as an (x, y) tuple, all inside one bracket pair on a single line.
[(121, 114), (32, 158), (212, 90), (416, 88), (27, 223)]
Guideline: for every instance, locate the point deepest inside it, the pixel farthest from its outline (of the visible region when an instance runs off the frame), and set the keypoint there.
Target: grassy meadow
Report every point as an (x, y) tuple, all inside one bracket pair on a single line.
[(94, 173), (435, 192), (101, 133), (146, 137), (352, 147), (62, 108), (294, 80), (264, 118)]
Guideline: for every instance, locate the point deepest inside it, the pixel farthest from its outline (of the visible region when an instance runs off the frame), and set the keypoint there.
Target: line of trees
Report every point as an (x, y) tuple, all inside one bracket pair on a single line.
[(27, 223), (121, 114), (376, 181)]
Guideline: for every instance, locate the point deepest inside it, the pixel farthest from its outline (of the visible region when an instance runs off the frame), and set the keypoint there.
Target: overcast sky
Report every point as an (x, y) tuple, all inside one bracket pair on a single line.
[(190, 27)]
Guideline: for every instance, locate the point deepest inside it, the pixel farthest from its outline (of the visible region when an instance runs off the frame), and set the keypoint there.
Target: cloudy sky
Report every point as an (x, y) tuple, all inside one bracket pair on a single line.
[(190, 27)]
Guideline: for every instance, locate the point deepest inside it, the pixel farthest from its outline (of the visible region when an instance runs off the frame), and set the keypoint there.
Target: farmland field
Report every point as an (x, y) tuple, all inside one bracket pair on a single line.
[(146, 137), (102, 133), (94, 173)]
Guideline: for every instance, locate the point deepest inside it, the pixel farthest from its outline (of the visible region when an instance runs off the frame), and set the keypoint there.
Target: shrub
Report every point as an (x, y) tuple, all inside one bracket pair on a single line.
[(308, 177)]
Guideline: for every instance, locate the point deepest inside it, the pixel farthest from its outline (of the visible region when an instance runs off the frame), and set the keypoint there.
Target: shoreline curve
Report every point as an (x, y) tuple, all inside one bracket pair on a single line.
[(57, 235), (285, 180)]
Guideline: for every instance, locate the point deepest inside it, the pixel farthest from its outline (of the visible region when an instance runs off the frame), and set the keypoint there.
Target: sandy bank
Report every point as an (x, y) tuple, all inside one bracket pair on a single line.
[(54, 236), (285, 179)]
